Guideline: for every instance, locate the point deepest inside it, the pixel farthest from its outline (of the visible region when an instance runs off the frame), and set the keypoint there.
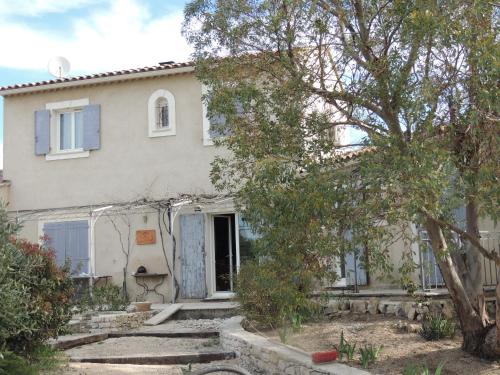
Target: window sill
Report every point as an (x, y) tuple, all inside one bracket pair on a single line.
[(208, 142), (67, 155), (161, 132)]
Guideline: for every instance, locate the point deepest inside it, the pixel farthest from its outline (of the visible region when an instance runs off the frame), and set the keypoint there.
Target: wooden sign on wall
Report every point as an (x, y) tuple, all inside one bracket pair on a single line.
[(145, 237)]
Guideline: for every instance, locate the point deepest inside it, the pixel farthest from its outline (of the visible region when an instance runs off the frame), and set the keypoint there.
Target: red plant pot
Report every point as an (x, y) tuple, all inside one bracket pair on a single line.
[(322, 357)]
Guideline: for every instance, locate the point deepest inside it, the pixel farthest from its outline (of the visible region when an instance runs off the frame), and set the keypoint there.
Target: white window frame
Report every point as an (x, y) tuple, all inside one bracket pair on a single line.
[(56, 109), (73, 149), (69, 217), (153, 129), (207, 139)]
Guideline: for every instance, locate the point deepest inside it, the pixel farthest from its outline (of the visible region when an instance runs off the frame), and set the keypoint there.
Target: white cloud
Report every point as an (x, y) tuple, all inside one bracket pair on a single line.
[(37, 7), (124, 35)]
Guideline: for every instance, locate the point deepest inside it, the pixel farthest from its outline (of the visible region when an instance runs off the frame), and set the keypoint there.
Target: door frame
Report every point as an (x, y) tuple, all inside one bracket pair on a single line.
[(211, 280)]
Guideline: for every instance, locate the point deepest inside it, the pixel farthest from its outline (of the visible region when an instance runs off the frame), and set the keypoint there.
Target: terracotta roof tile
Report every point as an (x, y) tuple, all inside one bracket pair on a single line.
[(159, 67)]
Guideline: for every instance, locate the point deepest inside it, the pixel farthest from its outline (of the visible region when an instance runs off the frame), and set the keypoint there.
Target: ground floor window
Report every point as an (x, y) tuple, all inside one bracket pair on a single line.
[(70, 242)]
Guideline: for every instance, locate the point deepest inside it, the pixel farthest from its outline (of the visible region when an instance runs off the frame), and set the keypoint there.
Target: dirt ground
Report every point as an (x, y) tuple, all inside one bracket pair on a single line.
[(400, 348)]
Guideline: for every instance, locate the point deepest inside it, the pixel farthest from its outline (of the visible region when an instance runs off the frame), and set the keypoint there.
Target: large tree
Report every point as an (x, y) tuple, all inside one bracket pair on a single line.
[(418, 78)]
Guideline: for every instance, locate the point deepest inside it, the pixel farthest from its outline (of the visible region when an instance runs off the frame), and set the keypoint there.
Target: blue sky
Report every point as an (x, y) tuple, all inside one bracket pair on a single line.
[(95, 36)]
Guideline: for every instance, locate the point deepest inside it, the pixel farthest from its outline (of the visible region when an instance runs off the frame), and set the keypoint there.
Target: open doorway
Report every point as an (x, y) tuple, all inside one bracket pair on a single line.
[(225, 252)]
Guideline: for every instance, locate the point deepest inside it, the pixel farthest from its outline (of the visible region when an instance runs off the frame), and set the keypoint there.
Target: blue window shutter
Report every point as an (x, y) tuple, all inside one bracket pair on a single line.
[(69, 240), (42, 132), (77, 246), (56, 233), (92, 127)]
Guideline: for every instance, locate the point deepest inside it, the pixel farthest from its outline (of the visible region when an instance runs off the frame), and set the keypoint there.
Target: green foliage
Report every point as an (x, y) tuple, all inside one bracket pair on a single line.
[(437, 327), (369, 354), (103, 298), (35, 293), (275, 297), (413, 369), (11, 363), (346, 348), (43, 359), (415, 81)]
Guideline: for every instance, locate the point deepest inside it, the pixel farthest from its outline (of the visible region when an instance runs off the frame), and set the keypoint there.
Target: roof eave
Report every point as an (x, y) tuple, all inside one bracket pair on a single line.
[(95, 81)]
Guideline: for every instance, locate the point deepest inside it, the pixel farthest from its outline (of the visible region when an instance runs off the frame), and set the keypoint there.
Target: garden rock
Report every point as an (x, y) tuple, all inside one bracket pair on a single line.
[(358, 307), (372, 306)]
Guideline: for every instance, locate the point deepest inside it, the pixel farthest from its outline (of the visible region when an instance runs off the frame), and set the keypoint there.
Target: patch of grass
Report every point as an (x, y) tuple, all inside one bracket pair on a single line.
[(437, 327)]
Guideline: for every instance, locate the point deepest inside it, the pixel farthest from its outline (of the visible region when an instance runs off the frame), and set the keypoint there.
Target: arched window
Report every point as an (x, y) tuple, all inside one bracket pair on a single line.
[(161, 112)]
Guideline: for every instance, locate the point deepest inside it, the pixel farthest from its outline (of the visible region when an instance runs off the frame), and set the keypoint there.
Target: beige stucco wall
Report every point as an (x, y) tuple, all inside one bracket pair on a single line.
[(129, 165), (109, 258)]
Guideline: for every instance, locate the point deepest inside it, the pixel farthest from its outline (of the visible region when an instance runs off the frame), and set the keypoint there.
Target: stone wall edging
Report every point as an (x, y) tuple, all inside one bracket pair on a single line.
[(270, 358)]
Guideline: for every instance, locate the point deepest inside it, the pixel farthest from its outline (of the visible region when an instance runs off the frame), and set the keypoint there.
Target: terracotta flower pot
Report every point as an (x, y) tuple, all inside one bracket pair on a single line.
[(327, 356)]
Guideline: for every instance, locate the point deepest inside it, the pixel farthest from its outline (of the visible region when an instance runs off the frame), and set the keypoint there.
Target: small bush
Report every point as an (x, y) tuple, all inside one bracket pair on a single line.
[(275, 297), (104, 298), (437, 327), (35, 293)]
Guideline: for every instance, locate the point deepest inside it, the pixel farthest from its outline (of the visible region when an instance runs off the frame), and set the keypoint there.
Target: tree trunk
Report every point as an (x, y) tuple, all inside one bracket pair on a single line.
[(473, 328), (473, 279), (497, 320)]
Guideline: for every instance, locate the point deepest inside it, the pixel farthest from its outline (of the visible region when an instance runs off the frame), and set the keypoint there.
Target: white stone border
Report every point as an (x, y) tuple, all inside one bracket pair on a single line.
[(273, 358)]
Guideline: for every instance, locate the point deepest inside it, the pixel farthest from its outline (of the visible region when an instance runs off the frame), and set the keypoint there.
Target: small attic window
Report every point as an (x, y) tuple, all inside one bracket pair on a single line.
[(161, 113)]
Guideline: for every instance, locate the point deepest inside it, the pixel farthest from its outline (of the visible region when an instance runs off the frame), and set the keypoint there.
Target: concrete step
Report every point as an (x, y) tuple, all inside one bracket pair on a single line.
[(167, 359), (163, 315)]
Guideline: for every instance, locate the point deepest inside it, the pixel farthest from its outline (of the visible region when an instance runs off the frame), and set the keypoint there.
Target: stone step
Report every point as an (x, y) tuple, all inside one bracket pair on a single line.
[(163, 315), (167, 359)]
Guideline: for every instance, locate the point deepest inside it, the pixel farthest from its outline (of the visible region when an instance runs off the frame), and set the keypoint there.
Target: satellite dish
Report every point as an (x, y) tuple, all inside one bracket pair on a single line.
[(59, 66)]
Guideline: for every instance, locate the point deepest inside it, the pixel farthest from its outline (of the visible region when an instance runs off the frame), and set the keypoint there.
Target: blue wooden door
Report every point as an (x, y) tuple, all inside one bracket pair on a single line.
[(193, 277)]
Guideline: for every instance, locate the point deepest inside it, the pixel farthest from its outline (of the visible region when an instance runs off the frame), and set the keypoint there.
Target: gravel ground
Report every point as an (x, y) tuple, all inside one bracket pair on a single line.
[(107, 369), (138, 346), (179, 325), (400, 349)]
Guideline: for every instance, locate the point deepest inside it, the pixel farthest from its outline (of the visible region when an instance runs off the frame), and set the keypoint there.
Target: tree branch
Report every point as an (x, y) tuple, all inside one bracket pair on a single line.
[(492, 255)]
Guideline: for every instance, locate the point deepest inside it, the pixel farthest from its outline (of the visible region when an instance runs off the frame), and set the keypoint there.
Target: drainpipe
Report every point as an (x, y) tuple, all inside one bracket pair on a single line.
[(93, 221)]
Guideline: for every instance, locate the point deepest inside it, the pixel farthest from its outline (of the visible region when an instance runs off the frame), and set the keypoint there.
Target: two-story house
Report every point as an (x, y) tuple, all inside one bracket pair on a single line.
[(114, 168)]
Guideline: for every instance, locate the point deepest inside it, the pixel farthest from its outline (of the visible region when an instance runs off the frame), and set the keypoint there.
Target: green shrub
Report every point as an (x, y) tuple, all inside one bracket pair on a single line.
[(275, 297), (34, 292), (104, 298), (437, 327)]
